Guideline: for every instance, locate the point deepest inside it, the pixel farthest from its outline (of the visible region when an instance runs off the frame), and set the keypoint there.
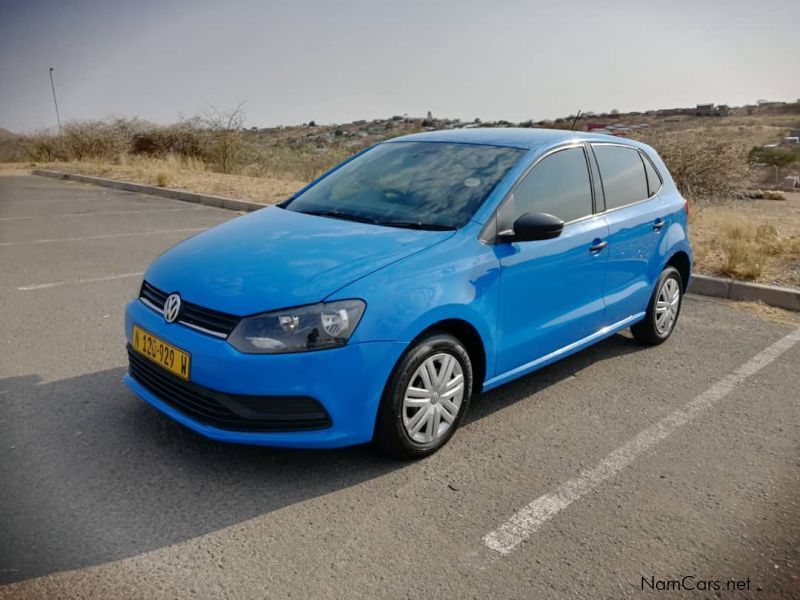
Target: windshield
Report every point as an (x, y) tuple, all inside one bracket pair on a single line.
[(426, 185)]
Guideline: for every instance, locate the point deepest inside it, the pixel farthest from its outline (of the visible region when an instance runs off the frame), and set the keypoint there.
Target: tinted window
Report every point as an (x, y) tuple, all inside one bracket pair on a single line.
[(653, 180), (623, 175), (558, 185), (411, 183)]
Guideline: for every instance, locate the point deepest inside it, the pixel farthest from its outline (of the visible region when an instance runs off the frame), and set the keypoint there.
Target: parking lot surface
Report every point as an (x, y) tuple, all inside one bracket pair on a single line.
[(617, 464)]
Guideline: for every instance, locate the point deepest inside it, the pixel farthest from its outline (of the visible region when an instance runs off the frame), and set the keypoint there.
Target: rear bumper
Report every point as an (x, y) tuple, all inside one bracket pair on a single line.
[(347, 382)]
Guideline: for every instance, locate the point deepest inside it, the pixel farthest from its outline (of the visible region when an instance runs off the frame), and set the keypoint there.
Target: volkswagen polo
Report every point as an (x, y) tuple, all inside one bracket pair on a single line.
[(376, 302)]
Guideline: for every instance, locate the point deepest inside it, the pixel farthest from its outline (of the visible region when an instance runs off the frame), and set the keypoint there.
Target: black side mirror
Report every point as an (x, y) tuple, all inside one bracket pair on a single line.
[(534, 226)]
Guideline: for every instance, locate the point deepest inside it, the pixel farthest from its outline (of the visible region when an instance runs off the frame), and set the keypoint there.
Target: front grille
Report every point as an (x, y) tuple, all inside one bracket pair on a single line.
[(228, 411), (206, 320)]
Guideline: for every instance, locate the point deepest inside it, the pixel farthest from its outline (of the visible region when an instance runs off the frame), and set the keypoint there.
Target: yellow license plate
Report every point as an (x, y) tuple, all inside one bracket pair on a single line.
[(173, 359)]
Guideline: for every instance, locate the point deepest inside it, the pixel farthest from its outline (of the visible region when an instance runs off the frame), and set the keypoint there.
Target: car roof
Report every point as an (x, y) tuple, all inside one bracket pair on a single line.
[(514, 137)]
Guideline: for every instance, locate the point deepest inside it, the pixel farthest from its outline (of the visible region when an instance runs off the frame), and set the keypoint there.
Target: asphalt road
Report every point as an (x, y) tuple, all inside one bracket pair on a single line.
[(681, 460)]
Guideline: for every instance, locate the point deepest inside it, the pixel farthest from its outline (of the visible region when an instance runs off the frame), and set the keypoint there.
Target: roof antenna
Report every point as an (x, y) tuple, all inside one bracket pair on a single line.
[(572, 127)]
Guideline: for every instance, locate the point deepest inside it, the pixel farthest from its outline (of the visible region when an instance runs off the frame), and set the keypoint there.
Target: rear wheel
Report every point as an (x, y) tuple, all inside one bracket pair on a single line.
[(426, 398), (663, 310)]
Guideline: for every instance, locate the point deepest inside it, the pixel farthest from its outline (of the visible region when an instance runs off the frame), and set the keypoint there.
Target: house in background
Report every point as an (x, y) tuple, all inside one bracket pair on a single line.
[(709, 110)]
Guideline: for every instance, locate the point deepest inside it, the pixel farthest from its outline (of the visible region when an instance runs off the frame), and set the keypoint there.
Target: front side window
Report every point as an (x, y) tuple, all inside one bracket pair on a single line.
[(559, 185), (623, 175), (433, 185)]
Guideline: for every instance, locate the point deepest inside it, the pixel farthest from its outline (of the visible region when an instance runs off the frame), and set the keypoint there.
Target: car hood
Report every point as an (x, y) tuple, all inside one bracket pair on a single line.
[(276, 258)]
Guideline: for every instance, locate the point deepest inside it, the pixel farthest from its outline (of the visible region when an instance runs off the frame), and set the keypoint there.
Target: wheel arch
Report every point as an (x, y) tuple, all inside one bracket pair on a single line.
[(681, 261), (468, 335)]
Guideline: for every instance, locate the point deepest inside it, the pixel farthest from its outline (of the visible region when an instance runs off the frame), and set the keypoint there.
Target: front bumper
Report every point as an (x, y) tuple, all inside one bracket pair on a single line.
[(348, 382)]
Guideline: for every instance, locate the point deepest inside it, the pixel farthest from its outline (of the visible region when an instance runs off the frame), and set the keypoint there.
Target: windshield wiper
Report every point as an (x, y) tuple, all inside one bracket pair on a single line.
[(335, 214), (417, 225)]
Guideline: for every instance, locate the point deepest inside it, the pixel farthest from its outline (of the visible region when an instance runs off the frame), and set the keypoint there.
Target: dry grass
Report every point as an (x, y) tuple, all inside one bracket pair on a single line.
[(14, 168), (754, 240), (185, 174), (303, 163), (768, 313)]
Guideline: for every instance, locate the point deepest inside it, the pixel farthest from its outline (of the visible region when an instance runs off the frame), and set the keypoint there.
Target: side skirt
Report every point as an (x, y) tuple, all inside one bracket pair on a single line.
[(561, 352)]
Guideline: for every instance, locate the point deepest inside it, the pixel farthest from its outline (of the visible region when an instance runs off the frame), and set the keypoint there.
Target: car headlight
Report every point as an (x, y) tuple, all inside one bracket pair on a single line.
[(313, 327)]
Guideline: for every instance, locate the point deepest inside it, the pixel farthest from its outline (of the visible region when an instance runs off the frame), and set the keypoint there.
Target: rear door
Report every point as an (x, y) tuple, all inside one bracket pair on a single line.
[(635, 218), (551, 290)]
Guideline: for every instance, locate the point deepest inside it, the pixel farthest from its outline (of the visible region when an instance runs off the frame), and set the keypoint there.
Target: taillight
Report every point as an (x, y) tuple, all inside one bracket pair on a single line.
[(686, 207)]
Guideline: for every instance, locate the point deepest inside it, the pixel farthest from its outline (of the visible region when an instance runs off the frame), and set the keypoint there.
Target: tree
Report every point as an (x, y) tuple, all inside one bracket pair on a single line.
[(227, 142), (774, 157)]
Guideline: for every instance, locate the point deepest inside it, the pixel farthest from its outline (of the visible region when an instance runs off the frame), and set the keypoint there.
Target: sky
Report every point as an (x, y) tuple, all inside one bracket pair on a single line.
[(333, 62)]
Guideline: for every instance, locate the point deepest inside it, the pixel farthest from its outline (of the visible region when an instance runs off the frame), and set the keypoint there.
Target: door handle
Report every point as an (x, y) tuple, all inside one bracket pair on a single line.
[(597, 246), (658, 224)]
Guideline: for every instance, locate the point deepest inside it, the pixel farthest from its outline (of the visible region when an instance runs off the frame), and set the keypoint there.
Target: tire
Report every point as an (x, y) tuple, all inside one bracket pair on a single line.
[(415, 423), (653, 329)]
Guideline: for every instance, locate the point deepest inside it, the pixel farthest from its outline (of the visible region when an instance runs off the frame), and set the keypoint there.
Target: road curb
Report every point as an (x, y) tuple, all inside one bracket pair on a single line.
[(782, 297), (215, 201)]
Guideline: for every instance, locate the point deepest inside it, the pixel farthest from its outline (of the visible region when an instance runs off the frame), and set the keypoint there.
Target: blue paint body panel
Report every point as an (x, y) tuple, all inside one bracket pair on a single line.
[(530, 303)]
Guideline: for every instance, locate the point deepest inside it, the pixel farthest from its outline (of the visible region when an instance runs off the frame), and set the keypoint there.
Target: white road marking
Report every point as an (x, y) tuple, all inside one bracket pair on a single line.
[(529, 519), (102, 237), (103, 214), (41, 286)]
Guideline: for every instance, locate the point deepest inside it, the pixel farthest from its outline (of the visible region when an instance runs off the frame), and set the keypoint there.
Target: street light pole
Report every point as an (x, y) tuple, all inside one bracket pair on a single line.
[(53, 86)]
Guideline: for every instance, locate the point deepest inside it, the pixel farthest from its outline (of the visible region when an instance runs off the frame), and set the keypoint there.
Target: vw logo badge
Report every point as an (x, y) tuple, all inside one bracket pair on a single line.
[(172, 308)]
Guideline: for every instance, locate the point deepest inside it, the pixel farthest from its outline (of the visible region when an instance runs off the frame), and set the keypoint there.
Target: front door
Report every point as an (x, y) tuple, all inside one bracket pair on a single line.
[(551, 291)]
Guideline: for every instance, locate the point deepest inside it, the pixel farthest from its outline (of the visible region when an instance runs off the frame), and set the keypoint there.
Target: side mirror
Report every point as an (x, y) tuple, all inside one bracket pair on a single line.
[(534, 226)]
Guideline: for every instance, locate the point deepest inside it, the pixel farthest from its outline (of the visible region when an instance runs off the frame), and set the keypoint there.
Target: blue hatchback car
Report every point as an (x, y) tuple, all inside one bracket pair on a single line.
[(375, 303)]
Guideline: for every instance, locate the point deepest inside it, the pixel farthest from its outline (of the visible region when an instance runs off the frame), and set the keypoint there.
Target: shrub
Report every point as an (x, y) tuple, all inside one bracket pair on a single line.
[(12, 148), (775, 157), (45, 147), (114, 140), (98, 140), (162, 179), (704, 166), (188, 139)]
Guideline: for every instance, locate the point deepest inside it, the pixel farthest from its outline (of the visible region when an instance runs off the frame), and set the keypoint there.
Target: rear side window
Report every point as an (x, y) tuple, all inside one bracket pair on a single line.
[(653, 178), (622, 170), (558, 185)]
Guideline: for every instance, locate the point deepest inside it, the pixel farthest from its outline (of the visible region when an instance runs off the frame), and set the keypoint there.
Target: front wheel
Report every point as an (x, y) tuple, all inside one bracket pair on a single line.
[(426, 398), (663, 310)]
